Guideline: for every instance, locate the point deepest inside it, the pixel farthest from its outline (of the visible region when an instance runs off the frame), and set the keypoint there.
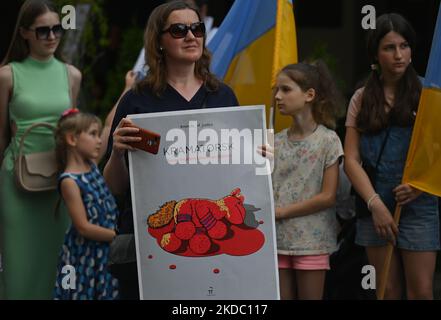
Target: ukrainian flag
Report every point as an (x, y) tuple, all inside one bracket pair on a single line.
[(256, 39), (423, 165)]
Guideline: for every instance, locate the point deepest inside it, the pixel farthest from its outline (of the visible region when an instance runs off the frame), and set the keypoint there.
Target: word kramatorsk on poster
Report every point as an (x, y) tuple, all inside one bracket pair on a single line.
[(203, 207)]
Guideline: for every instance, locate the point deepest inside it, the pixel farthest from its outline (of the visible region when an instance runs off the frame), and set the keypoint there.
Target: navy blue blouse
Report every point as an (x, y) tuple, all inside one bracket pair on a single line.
[(170, 100)]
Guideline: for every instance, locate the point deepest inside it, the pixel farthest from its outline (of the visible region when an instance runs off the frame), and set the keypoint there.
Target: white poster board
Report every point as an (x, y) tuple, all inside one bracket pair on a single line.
[(204, 230)]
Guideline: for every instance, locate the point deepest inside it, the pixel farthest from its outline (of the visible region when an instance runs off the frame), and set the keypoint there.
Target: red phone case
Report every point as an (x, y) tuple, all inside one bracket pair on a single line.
[(149, 140)]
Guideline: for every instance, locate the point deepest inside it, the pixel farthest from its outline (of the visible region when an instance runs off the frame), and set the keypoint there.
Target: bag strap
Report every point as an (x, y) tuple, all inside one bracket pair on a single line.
[(28, 130), (69, 83), (382, 148)]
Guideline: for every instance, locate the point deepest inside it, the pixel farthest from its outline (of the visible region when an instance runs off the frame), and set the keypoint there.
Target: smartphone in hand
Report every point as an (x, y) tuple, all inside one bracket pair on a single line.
[(149, 140)]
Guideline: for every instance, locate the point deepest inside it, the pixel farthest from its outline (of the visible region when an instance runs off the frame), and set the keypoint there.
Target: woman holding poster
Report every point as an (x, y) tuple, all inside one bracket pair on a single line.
[(178, 79)]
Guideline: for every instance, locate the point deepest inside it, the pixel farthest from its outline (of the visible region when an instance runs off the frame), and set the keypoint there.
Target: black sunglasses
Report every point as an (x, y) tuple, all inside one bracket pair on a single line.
[(180, 30), (43, 33)]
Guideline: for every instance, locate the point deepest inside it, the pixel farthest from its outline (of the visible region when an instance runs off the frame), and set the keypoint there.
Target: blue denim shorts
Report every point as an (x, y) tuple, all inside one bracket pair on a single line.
[(419, 223), (418, 226)]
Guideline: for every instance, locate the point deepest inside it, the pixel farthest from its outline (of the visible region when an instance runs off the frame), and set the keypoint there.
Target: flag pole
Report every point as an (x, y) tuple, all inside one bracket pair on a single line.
[(386, 266)]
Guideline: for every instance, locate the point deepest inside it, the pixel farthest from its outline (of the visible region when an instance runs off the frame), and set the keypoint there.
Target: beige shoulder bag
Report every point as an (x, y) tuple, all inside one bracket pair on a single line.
[(36, 171)]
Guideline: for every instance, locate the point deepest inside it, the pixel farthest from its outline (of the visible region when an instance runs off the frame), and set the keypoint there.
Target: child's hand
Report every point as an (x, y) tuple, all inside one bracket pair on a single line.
[(384, 223), (122, 135), (405, 193), (130, 80), (266, 151), (280, 213)]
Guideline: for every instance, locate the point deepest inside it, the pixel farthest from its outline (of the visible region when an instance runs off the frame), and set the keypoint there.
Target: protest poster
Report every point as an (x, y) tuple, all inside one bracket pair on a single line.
[(203, 207)]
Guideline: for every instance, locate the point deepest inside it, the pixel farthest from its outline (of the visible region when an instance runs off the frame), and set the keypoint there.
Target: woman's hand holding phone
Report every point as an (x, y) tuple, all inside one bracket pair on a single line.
[(147, 141)]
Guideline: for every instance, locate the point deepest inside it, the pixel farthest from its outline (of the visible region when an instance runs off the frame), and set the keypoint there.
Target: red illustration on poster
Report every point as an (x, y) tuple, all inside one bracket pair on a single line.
[(195, 227)]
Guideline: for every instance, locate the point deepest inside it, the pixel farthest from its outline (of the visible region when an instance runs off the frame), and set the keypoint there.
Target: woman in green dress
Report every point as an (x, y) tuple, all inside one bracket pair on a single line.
[(35, 86)]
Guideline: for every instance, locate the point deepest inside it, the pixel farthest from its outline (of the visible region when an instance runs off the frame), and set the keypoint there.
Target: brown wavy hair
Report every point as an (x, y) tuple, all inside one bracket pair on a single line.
[(373, 117), (328, 103), (156, 79), (19, 49)]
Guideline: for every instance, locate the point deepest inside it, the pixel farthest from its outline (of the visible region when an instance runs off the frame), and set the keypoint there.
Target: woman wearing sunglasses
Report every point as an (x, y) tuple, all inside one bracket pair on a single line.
[(178, 79), (35, 86)]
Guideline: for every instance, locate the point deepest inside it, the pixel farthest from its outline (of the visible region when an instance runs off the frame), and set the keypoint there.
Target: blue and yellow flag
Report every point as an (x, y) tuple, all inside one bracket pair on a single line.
[(256, 39), (423, 165)]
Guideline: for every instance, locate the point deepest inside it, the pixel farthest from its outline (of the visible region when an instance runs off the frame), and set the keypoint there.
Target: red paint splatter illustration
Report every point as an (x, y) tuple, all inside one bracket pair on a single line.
[(202, 227)]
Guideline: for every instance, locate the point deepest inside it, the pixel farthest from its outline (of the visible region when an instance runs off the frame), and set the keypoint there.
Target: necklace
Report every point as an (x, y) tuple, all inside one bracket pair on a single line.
[(291, 134)]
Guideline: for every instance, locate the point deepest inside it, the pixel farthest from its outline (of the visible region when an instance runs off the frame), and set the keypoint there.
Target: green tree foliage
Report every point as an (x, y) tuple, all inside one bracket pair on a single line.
[(101, 89), (130, 46), (92, 45)]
